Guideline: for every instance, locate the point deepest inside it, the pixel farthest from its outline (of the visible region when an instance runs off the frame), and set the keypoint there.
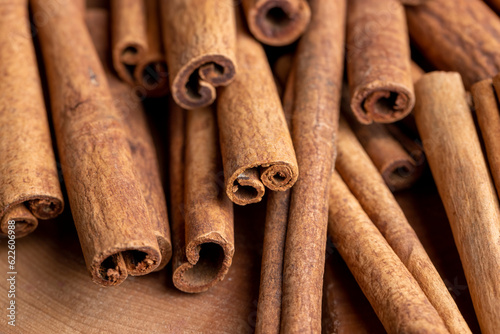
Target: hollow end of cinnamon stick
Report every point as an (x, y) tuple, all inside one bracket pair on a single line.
[(126, 56), (382, 103), (152, 74), (279, 22), (113, 267), (194, 85), (245, 187), (400, 174), (46, 207), (278, 177), (209, 259), (25, 222)]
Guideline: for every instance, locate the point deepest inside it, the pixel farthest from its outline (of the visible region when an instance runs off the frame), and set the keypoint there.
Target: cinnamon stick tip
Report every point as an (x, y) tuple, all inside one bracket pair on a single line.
[(279, 177), (46, 207), (245, 187), (279, 22), (194, 85)]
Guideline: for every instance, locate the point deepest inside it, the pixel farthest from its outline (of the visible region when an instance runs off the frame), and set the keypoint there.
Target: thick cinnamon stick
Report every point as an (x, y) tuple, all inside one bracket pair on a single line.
[(199, 38), (459, 168), (132, 115), (277, 22), (314, 124), (138, 55), (457, 35), (109, 209), (367, 185), (488, 117), (378, 61), (28, 172), (208, 247), (394, 294), (256, 146)]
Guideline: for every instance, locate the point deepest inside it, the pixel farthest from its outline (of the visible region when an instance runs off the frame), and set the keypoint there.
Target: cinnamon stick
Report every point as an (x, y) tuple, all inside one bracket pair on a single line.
[(277, 22), (367, 185), (256, 146), (394, 294), (488, 117), (132, 115), (457, 35), (314, 124), (138, 55), (107, 203), (199, 39), (459, 168), (378, 66), (207, 252), (29, 183)]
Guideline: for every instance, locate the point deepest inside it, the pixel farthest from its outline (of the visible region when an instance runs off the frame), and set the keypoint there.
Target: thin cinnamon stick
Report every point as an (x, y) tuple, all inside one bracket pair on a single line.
[(367, 185), (106, 199), (314, 124), (132, 115), (378, 66), (459, 168), (488, 117), (208, 213), (457, 35), (199, 38), (394, 294), (277, 22), (28, 172), (256, 146)]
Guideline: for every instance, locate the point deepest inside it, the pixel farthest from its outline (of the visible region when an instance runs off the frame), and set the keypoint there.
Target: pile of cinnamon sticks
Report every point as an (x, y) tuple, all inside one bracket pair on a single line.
[(314, 106)]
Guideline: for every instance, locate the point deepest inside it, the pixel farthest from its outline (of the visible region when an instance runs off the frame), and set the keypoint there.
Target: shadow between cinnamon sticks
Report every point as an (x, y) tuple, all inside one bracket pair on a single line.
[(460, 171), (367, 185), (277, 22), (204, 229), (316, 90), (378, 61), (133, 117), (29, 182), (106, 199), (394, 294), (200, 39), (256, 146)]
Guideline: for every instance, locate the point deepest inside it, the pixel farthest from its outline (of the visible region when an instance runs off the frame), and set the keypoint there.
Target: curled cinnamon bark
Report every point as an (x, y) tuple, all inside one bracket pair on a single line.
[(277, 22), (132, 115), (447, 31), (107, 203), (461, 174), (256, 146), (366, 184), (206, 253), (199, 38), (29, 182), (314, 125), (394, 294), (378, 61)]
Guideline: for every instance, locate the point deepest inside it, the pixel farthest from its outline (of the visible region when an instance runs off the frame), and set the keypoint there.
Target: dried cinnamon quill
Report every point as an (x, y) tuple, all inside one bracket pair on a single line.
[(461, 174), (29, 183), (277, 22), (367, 185), (457, 35), (204, 229), (107, 203), (256, 146), (317, 90), (141, 143), (137, 51), (200, 39), (378, 61), (394, 294)]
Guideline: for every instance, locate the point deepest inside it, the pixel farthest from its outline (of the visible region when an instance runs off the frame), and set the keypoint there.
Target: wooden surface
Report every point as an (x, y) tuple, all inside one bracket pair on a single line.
[(55, 293)]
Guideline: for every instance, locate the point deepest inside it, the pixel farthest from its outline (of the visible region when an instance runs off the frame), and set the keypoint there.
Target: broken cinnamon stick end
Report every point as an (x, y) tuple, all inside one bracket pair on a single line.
[(208, 261), (245, 187), (373, 104), (112, 271), (194, 85), (46, 208), (401, 174), (278, 177), (279, 22), (25, 222)]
